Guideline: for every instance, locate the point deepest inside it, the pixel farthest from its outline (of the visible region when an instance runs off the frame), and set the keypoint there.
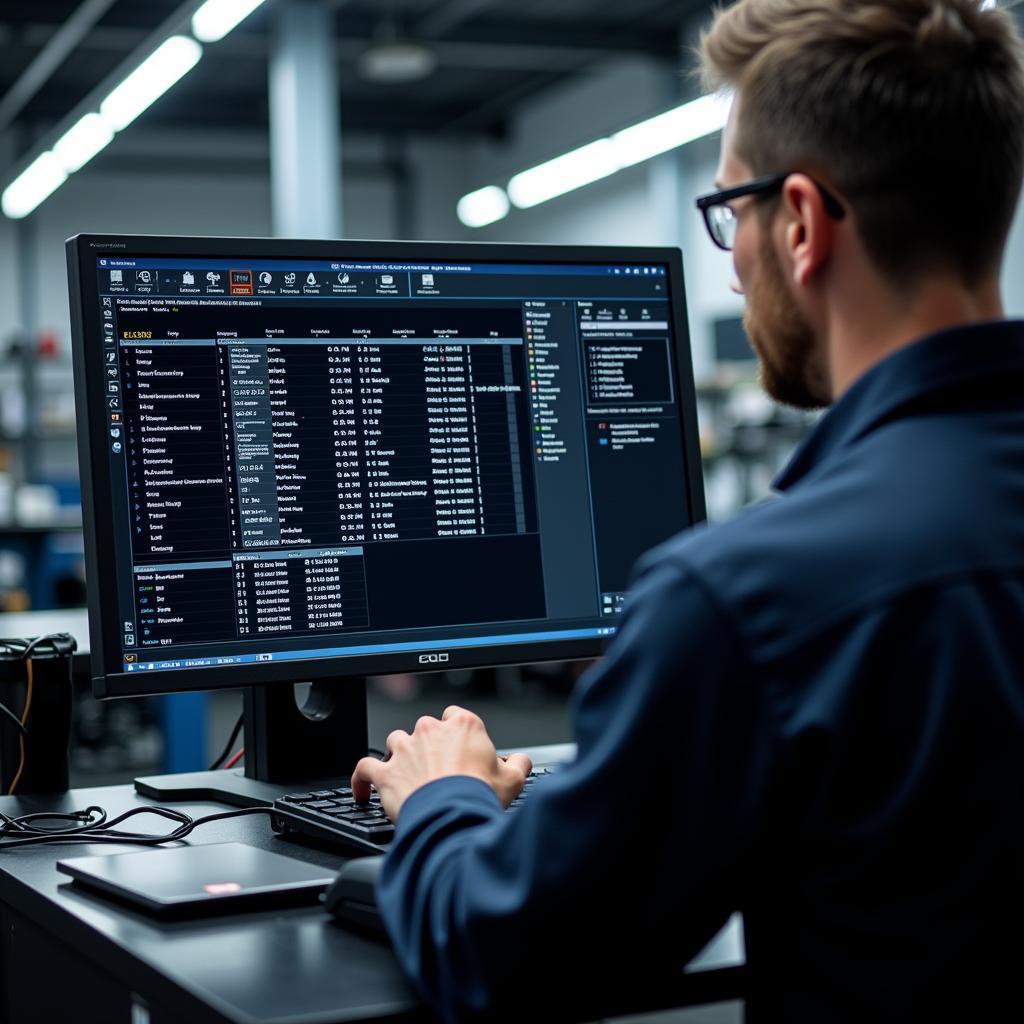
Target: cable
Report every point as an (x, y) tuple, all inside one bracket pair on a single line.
[(4, 709), (64, 645), (24, 728), (94, 827), (235, 758), (230, 743)]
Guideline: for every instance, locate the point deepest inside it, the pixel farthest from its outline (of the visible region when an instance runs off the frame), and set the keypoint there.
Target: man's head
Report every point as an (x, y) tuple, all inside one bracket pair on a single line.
[(909, 112)]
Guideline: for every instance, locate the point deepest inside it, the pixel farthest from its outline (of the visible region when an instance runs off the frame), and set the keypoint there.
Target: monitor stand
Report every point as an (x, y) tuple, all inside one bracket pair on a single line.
[(287, 749)]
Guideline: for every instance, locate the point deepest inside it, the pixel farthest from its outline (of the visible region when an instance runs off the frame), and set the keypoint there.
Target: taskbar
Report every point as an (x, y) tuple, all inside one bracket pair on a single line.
[(133, 664)]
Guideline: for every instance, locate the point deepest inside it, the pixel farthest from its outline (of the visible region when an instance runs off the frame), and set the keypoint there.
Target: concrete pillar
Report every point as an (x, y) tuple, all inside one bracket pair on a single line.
[(305, 126)]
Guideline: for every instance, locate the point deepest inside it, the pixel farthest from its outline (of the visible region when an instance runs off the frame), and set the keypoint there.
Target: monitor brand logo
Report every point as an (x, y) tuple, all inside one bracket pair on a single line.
[(433, 659)]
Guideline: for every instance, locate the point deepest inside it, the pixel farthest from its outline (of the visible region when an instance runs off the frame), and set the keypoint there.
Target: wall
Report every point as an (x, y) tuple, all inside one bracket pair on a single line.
[(1013, 269)]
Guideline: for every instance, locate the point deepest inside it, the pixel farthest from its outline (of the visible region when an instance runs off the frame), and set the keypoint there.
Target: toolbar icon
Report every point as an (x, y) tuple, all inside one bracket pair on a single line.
[(428, 280), (213, 277), (144, 276), (116, 277), (241, 282), (266, 278), (188, 277), (289, 280), (311, 280)]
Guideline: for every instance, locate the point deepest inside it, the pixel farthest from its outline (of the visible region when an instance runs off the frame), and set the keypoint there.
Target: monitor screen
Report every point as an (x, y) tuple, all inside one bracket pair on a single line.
[(335, 459)]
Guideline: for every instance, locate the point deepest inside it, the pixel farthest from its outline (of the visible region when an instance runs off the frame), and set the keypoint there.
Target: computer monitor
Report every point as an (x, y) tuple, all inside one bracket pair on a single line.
[(319, 460)]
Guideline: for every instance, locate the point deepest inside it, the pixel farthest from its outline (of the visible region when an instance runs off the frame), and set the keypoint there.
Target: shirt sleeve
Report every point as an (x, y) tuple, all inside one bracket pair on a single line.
[(627, 861)]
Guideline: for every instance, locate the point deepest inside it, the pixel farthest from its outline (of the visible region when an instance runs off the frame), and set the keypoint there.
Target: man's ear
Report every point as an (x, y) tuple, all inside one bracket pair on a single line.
[(809, 230)]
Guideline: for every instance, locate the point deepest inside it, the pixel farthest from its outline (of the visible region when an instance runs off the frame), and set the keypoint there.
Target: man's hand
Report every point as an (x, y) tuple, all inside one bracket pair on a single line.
[(458, 744)]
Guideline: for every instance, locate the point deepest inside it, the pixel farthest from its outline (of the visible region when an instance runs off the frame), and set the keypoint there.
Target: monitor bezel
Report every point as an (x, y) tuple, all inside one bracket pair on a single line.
[(104, 636)]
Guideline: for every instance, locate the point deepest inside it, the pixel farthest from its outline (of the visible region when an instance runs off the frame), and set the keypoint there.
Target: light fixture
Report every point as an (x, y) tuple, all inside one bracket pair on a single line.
[(482, 207), (79, 144), (668, 131), (40, 179), (170, 62), (165, 66), (587, 164), (397, 61), (216, 18), (565, 173)]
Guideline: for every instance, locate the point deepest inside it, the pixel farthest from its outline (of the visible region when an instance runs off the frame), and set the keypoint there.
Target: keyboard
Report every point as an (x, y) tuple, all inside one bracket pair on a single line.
[(333, 816)]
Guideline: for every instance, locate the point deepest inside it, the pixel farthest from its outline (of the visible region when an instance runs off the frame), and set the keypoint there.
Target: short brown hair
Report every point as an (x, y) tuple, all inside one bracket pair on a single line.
[(912, 109)]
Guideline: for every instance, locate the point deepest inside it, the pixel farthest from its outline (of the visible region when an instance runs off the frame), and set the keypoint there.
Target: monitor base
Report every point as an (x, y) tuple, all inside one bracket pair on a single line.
[(288, 749), (224, 787)]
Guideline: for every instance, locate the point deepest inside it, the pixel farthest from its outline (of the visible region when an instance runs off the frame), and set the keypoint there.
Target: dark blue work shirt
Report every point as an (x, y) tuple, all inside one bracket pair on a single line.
[(813, 714)]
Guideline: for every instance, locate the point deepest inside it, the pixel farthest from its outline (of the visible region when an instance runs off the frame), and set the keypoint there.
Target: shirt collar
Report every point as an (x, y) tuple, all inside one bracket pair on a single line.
[(949, 362)]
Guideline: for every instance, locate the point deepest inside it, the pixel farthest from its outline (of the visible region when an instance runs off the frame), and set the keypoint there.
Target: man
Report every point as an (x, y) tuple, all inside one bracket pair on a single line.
[(813, 714)]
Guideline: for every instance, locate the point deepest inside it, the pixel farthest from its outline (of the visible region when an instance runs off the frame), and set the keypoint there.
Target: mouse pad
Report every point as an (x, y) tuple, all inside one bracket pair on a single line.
[(200, 879)]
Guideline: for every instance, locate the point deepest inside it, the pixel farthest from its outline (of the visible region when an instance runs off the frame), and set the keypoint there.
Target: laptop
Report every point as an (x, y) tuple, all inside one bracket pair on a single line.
[(194, 880)]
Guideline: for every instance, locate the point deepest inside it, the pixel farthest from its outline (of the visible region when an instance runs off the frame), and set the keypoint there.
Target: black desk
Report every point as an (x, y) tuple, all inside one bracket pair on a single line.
[(66, 955)]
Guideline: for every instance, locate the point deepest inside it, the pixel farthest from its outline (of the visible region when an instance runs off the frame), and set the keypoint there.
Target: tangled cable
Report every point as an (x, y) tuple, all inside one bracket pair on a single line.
[(92, 826)]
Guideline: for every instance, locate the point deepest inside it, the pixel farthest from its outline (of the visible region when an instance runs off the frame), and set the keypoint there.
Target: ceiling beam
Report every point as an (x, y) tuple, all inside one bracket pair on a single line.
[(524, 40), (448, 16), (53, 54), (176, 22)]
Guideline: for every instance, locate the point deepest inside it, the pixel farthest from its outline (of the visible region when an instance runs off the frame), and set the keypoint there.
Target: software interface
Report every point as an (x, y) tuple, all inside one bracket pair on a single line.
[(313, 459)]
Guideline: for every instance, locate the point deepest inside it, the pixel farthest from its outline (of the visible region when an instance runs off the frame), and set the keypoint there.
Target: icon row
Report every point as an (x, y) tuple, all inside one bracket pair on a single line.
[(244, 282)]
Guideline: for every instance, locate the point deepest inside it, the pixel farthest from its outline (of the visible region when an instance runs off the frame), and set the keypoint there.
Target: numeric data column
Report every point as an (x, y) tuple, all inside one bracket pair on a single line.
[(452, 450), (346, 432)]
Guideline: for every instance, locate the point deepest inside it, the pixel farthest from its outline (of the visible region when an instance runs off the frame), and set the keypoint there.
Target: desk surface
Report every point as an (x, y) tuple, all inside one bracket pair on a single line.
[(283, 966)]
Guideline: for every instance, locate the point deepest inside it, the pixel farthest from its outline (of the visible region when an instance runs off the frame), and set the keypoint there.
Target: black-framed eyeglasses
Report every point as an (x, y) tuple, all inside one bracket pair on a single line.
[(721, 220)]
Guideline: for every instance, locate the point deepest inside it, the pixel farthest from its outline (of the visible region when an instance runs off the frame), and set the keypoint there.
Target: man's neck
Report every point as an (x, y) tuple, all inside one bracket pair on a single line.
[(884, 326)]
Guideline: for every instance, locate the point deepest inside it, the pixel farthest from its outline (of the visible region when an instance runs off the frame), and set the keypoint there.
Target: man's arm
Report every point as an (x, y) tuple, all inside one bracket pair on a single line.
[(632, 855)]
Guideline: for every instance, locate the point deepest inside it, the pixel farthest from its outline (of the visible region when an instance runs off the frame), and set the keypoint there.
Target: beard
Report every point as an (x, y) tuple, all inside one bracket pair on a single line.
[(792, 367)]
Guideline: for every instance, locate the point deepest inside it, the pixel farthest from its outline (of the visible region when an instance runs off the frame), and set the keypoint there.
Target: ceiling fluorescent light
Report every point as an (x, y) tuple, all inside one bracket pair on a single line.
[(150, 80), (672, 129), (590, 163), (41, 178), (485, 206), (216, 18), (598, 160), (575, 169), (78, 145)]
